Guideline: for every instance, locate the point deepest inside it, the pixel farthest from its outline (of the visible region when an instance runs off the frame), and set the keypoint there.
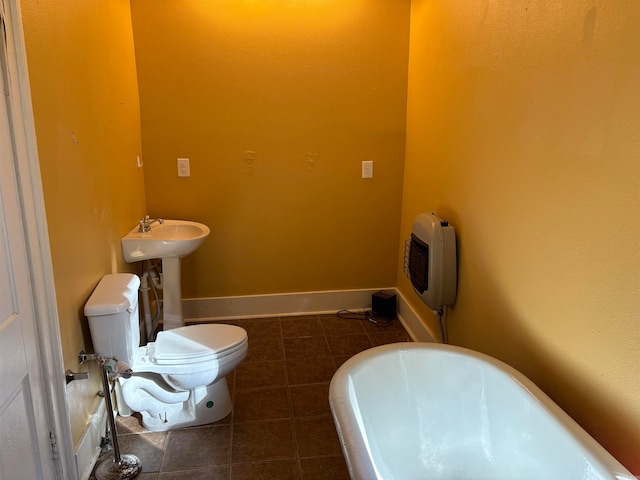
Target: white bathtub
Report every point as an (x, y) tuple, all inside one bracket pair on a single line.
[(419, 410)]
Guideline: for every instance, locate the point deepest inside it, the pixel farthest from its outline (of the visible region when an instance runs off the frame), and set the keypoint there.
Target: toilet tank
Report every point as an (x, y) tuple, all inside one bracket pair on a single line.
[(112, 310)]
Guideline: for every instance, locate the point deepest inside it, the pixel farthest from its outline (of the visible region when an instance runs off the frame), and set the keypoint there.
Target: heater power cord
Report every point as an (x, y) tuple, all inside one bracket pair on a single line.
[(442, 324), (367, 315)]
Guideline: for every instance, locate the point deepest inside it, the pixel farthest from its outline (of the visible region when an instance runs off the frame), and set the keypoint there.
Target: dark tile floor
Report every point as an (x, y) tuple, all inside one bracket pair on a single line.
[(281, 425)]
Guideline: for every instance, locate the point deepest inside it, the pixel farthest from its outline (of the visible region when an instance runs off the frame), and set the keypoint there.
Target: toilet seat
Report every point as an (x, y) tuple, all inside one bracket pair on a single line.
[(193, 356), (196, 343)]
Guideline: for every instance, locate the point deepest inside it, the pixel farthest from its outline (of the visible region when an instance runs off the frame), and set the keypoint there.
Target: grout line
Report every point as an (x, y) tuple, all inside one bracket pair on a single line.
[(232, 422), (296, 449)]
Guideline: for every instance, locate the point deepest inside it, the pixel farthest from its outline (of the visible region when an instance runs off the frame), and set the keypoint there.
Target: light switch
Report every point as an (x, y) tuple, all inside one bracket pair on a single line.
[(183, 167), (367, 169)]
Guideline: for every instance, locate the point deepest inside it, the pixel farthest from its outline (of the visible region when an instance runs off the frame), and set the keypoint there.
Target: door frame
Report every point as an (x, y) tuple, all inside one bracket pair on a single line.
[(37, 241)]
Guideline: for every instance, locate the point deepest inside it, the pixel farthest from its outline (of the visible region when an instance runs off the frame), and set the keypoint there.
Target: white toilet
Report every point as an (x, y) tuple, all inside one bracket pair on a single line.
[(179, 380)]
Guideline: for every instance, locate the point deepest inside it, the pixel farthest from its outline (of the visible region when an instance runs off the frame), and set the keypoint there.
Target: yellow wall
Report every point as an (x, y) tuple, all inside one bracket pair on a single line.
[(85, 100), (523, 131), (311, 89)]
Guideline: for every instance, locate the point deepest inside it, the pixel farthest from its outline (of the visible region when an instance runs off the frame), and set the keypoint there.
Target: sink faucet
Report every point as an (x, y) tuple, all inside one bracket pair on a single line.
[(145, 223)]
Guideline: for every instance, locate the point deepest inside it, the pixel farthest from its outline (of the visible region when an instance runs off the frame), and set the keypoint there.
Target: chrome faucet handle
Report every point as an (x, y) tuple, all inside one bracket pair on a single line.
[(145, 223)]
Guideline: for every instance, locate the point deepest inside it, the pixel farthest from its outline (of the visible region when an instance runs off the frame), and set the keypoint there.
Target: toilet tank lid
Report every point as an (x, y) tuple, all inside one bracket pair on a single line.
[(115, 293)]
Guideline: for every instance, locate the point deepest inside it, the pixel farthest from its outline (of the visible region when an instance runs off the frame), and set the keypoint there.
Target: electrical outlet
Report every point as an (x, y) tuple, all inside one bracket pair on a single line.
[(183, 167), (367, 169)]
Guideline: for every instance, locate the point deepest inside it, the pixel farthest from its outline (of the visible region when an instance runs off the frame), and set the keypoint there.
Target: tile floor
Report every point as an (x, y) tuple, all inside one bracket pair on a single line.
[(281, 426)]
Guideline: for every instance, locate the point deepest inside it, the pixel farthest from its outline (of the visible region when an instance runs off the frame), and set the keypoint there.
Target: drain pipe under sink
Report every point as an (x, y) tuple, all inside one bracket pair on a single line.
[(149, 322), (144, 290)]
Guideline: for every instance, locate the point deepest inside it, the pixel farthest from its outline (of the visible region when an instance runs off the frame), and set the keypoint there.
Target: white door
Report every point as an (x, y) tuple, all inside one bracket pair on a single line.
[(25, 448)]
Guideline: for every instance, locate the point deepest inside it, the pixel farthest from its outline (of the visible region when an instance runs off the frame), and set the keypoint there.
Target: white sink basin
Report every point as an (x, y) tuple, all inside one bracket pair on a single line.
[(171, 239)]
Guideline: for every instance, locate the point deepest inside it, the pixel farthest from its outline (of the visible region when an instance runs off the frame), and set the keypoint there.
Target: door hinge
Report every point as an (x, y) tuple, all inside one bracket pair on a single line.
[(55, 454)]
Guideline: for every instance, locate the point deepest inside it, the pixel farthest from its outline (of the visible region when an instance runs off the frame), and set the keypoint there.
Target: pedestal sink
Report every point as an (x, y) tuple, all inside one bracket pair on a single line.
[(170, 241)]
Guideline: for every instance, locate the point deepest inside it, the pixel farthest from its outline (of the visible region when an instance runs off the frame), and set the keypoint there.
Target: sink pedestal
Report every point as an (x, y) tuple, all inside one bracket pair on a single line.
[(169, 240), (172, 316)]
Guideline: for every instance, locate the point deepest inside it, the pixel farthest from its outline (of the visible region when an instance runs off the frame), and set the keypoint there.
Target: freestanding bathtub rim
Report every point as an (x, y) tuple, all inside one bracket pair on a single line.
[(356, 447)]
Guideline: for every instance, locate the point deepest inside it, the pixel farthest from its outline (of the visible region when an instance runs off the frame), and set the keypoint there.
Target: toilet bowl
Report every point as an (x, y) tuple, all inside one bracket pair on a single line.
[(178, 380)]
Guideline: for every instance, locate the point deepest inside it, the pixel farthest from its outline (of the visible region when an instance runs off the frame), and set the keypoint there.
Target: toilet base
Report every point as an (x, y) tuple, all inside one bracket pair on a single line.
[(205, 405)]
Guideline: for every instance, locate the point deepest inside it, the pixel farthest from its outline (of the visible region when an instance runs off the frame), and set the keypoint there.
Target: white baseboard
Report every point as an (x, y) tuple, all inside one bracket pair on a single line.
[(305, 303), (277, 305), (87, 450), (411, 320)]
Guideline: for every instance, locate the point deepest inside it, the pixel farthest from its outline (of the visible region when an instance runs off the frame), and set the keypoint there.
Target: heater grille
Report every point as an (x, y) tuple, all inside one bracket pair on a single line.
[(416, 263)]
